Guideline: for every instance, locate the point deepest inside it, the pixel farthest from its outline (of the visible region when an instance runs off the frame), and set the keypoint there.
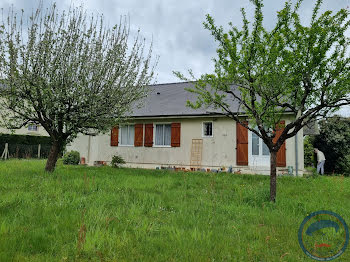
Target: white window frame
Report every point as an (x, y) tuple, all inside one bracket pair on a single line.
[(120, 135), (31, 130), (257, 160), (154, 134), (212, 128)]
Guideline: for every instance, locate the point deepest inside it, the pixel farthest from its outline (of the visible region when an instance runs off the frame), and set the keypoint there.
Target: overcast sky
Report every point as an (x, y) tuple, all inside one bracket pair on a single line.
[(175, 26)]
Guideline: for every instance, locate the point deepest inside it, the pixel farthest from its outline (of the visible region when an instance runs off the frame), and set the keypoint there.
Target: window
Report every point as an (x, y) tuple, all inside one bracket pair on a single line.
[(256, 142), (163, 135), (207, 129), (127, 134), (32, 127), (265, 151)]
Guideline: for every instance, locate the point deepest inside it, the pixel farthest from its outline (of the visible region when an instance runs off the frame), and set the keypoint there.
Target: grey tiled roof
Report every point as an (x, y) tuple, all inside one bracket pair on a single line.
[(170, 100)]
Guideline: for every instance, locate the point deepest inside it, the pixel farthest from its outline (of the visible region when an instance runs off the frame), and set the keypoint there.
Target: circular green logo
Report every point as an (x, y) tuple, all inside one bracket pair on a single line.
[(323, 235)]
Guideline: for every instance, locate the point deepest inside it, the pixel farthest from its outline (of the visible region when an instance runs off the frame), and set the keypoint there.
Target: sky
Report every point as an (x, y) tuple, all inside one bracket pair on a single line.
[(176, 26)]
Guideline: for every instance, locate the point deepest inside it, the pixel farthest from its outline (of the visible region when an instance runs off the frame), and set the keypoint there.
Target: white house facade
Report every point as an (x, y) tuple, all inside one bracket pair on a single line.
[(164, 132)]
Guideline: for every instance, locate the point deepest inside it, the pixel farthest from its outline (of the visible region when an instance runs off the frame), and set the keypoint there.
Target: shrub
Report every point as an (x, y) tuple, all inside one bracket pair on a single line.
[(71, 158), (344, 165), (309, 159), (334, 142), (311, 172), (117, 161), (25, 146)]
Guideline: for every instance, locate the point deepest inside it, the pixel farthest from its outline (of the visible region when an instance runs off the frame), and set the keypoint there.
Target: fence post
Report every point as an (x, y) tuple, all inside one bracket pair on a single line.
[(39, 149), (5, 154)]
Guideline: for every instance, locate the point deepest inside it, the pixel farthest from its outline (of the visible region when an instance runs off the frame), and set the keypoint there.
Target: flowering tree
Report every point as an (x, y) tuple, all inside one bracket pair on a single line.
[(69, 73), (293, 67)]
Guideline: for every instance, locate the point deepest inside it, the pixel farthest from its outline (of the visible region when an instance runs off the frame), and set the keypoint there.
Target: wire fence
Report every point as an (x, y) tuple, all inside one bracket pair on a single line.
[(27, 151)]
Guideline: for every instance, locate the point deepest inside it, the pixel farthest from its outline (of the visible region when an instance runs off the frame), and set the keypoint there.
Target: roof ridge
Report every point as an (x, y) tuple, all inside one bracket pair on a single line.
[(173, 83)]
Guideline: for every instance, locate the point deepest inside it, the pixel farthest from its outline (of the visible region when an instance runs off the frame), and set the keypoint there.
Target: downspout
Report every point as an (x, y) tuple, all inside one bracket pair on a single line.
[(296, 154), (296, 148), (88, 155)]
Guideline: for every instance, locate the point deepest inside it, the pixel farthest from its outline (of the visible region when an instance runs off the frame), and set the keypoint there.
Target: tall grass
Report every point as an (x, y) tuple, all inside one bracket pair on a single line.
[(105, 214)]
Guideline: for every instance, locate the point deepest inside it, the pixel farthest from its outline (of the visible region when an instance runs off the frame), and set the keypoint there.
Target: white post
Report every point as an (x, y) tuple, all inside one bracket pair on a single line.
[(5, 154), (39, 149), (88, 153)]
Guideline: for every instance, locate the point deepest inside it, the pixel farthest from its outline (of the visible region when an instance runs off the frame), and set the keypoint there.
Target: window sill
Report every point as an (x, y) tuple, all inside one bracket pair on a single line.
[(162, 146), (207, 136), (126, 145)]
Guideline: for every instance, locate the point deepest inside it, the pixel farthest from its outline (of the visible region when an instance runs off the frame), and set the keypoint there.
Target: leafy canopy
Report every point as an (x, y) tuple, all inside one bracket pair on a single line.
[(69, 72), (302, 69)]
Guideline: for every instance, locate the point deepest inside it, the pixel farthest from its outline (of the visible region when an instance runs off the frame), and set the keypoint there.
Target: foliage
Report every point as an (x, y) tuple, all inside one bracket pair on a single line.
[(71, 158), (25, 146), (117, 161), (311, 172), (334, 142), (303, 69), (69, 72), (24, 139), (344, 164), (309, 155), (188, 216)]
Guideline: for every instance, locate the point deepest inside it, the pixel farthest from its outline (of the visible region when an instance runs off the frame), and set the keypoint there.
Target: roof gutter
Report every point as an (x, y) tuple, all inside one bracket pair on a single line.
[(207, 114)]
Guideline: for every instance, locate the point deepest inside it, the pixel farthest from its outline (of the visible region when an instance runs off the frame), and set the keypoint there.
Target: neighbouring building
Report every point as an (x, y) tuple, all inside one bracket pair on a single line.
[(29, 130), (164, 132)]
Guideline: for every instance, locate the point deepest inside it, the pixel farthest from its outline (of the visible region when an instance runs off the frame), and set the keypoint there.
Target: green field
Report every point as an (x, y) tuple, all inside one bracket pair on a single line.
[(105, 214)]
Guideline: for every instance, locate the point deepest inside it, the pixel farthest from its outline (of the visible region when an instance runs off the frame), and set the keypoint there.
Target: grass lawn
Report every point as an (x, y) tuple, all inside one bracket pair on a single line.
[(105, 214)]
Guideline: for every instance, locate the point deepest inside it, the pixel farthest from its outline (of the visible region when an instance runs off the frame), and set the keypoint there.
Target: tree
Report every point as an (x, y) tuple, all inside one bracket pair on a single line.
[(334, 142), (69, 73), (292, 67)]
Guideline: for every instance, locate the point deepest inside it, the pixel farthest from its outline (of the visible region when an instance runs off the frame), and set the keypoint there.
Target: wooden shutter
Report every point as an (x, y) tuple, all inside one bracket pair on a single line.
[(175, 134), (281, 154), (138, 141), (242, 144), (114, 136), (148, 135)]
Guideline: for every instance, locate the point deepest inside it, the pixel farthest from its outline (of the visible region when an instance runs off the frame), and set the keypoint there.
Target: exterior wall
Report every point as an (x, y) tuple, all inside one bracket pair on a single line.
[(218, 151), (24, 131), (291, 157)]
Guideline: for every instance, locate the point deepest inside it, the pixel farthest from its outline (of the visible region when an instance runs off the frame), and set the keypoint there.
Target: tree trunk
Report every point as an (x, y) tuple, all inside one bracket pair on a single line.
[(53, 156), (273, 176)]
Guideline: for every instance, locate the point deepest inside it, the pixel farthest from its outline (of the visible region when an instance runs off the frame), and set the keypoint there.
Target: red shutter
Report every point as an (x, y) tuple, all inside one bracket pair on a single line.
[(281, 154), (138, 141), (175, 134), (148, 135), (242, 144), (114, 136)]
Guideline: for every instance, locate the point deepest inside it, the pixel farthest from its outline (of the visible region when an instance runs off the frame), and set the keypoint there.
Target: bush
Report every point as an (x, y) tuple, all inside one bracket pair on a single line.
[(334, 142), (71, 158), (309, 155), (344, 165), (117, 161), (311, 172), (25, 146)]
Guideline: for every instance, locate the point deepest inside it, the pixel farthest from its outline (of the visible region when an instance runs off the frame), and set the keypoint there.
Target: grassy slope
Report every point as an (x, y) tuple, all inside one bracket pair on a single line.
[(143, 215)]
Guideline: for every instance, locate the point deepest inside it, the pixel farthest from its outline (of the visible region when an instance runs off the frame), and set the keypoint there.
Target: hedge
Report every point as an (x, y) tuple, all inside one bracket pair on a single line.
[(25, 146)]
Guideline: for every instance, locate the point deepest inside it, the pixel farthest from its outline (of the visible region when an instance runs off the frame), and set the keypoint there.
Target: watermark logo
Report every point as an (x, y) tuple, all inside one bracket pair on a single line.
[(323, 235)]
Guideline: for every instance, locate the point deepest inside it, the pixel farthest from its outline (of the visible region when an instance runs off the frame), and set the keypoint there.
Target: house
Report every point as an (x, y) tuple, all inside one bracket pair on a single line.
[(30, 141), (164, 132), (29, 130)]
